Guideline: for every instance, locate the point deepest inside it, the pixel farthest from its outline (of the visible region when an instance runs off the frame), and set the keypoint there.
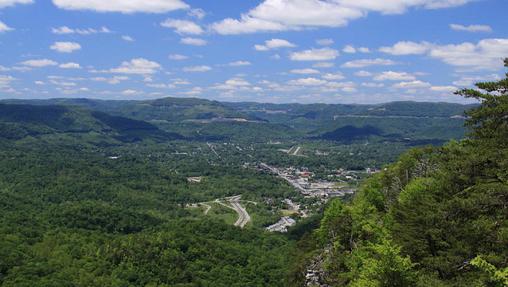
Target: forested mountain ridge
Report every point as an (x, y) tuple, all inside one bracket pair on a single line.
[(437, 217), (187, 108), (164, 109), (314, 111), (73, 214), (411, 122), (112, 193), (20, 120)]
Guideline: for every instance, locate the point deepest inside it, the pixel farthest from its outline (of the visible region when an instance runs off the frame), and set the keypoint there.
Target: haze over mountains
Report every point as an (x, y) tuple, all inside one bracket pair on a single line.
[(177, 118), (260, 143), (114, 193)]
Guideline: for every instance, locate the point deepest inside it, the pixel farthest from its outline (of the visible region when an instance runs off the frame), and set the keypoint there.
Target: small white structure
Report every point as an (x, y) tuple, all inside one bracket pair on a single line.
[(195, 179), (282, 225)]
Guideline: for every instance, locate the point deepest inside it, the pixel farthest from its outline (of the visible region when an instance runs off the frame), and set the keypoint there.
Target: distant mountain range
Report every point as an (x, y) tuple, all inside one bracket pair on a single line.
[(200, 119), (20, 120)]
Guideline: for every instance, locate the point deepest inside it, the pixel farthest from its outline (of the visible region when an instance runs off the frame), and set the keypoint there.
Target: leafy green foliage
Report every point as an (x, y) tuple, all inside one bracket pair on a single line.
[(437, 217), (383, 267), (95, 193), (92, 215), (351, 133), (79, 218), (185, 253), (408, 123), (19, 121), (497, 278)]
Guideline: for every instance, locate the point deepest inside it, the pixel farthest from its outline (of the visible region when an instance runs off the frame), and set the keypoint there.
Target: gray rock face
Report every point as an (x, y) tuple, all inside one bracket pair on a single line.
[(315, 273)]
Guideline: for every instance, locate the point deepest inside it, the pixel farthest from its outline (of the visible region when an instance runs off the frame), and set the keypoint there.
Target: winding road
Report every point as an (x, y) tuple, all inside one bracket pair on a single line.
[(297, 150), (208, 207), (243, 215)]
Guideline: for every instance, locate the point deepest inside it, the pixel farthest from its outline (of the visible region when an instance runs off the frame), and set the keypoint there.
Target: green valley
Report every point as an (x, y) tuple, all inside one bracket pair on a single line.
[(188, 192)]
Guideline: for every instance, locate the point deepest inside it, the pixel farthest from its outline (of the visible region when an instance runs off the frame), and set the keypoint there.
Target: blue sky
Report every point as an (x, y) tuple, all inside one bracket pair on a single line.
[(332, 51)]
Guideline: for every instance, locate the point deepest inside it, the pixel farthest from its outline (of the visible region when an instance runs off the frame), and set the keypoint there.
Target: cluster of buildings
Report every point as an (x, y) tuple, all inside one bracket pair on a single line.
[(282, 225), (301, 179)]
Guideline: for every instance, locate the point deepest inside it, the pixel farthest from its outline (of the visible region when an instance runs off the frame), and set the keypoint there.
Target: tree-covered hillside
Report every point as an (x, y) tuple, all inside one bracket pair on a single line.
[(437, 217), (413, 123), (75, 214), (328, 111), (21, 120), (112, 193), (164, 109)]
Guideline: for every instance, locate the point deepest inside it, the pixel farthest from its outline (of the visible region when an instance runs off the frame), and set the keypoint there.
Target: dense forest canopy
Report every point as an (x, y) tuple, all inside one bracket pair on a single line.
[(97, 193), (437, 217)]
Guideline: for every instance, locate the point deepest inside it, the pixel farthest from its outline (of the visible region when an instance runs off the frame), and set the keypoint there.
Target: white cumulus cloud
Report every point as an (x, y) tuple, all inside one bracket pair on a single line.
[(363, 50), (406, 48), (324, 54), (193, 41), (348, 87), (350, 49), (324, 42), (307, 82), (65, 30), (239, 63), (195, 91), (412, 85), (122, 6), (445, 89), (70, 65), (304, 71), (467, 80), (127, 38), (362, 63), (283, 15), (471, 28), (178, 57), (363, 73), (233, 84), (323, 65), (130, 92), (4, 27), (373, 85), (274, 44), (112, 81), (139, 66), (183, 26), (197, 69), (39, 63), (7, 3), (65, 47), (5, 81), (333, 76), (486, 54), (394, 76), (197, 12)]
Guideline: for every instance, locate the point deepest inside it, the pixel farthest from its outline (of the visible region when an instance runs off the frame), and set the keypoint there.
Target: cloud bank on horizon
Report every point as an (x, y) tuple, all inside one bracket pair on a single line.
[(332, 51)]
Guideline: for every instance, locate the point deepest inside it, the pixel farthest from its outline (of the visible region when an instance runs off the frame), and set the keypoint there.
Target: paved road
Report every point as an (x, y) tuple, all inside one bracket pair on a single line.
[(243, 215), (297, 150), (293, 182), (213, 149)]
